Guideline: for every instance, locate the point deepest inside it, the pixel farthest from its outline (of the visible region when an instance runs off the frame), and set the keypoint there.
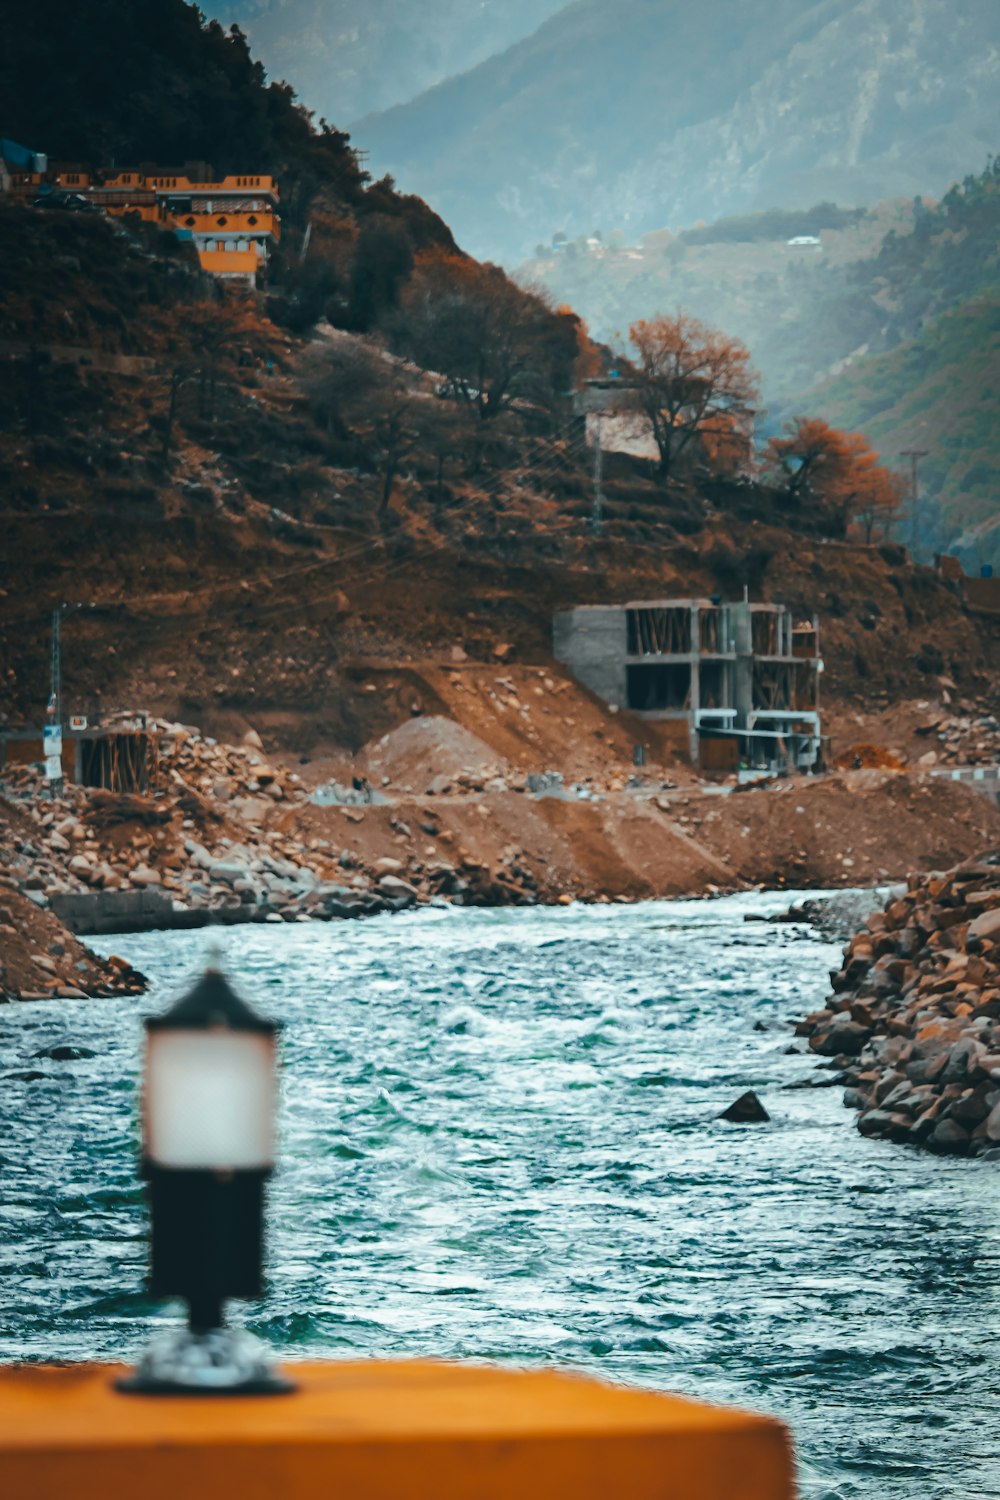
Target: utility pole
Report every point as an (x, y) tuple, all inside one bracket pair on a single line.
[(52, 732), (914, 455), (56, 693), (595, 514)]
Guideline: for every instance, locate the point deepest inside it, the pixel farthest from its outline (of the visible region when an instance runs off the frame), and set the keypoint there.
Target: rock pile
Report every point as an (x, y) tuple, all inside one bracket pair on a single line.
[(214, 839), (968, 739), (40, 960), (914, 1020)]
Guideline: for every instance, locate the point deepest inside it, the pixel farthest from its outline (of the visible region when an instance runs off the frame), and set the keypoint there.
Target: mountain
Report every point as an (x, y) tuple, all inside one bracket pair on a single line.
[(347, 59), (939, 395), (654, 112)]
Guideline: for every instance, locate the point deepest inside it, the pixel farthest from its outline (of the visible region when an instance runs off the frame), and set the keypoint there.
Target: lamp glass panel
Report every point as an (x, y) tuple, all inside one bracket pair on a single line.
[(210, 1099)]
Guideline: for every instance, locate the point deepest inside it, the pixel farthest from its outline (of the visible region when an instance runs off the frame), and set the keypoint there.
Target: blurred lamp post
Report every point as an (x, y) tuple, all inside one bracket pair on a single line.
[(208, 1124)]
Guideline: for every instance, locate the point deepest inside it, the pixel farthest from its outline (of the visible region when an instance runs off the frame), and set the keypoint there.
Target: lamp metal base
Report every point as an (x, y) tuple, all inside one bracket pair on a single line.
[(219, 1362)]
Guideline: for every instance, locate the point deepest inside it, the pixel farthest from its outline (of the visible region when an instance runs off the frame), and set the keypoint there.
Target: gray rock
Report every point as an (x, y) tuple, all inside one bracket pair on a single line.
[(987, 925), (544, 783), (227, 872), (343, 910), (949, 1136), (900, 1098), (962, 1059), (971, 1108), (746, 1110), (884, 1122), (840, 1036)]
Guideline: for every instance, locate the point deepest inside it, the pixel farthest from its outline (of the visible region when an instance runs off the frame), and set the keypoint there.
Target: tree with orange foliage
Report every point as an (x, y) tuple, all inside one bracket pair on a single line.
[(689, 382), (727, 447), (838, 470), (493, 341)]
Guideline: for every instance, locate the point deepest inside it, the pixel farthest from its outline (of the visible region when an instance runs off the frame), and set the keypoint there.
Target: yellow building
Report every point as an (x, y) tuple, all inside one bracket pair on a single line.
[(232, 223)]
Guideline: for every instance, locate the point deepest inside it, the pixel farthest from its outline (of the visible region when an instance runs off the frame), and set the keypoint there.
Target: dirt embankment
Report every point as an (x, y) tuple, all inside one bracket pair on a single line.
[(849, 828)]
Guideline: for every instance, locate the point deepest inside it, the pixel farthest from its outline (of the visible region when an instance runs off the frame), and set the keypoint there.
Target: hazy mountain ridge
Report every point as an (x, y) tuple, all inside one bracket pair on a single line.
[(937, 393), (347, 60), (643, 114), (890, 326)]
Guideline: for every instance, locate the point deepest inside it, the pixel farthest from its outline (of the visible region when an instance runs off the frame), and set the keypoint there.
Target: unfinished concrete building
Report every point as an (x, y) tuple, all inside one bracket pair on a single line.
[(740, 681)]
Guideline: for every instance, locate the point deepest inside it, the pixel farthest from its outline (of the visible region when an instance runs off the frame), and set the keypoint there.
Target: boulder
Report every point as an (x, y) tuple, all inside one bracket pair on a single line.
[(227, 872), (840, 1036), (971, 1107), (884, 1122), (948, 1136), (746, 1110), (986, 925)]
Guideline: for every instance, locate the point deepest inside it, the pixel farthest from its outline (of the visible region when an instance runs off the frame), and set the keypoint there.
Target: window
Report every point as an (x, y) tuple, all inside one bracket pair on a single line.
[(660, 687)]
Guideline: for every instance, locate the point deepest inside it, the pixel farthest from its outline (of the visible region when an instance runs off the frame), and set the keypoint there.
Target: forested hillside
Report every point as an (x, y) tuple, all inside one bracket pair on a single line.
[(647, 112), (926, 313)]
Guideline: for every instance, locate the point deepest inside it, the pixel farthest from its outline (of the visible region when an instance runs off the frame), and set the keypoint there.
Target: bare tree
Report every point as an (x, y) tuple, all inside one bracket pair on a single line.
[(492, 341), (690, 381)]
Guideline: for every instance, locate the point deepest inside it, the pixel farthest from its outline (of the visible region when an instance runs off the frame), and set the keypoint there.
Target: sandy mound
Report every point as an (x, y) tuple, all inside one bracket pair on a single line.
[(415, 753)]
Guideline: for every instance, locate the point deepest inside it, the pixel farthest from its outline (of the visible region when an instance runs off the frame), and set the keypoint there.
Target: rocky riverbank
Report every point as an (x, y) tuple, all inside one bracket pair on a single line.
[(914, 1018), (228, 833)]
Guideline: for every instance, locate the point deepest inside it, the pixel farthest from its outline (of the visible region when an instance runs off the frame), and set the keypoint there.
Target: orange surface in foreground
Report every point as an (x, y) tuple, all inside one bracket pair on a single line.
[(381, 1431)]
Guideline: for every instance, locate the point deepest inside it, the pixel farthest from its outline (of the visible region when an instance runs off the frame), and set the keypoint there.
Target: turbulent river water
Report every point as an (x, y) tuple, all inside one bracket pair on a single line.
[(500, 1142)]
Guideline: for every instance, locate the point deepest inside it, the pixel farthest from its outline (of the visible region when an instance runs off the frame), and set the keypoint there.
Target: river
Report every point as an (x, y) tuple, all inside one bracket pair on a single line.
[(499, 1141)]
